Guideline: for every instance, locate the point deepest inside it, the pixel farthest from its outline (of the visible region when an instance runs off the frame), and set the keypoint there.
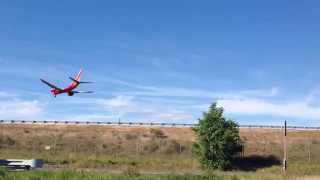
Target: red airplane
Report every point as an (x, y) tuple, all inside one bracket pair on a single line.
[(70, 90)]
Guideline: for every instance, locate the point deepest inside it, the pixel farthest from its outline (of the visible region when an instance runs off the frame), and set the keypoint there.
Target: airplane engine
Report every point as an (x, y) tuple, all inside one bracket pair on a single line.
[(70, 93)]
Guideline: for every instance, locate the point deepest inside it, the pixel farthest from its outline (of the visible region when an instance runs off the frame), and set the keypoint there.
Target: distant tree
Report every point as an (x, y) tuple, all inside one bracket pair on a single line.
[(218, 139)]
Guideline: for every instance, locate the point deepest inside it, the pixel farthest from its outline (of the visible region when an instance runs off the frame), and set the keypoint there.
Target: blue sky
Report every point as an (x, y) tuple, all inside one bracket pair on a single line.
[(162, 61)]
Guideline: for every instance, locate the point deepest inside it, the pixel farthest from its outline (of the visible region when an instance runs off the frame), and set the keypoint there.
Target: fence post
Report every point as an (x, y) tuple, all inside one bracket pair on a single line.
[(309, 151), (285, 148)]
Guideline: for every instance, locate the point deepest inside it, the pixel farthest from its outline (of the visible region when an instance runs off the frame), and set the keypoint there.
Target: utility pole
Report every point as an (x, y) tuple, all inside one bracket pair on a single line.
[(309, 151), (285, 153)]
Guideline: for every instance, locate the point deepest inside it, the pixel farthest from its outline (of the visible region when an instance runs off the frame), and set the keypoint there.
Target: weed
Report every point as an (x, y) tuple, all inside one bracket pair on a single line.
[(3, 173)]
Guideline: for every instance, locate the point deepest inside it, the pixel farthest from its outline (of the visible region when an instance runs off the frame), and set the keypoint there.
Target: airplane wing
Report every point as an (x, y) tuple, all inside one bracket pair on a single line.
[(83, 91), (50, 85)]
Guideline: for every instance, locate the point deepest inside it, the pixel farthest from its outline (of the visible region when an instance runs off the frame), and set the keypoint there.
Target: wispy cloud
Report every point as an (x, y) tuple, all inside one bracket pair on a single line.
[(243, 102), (13, 107), (86, 117), (291, 109), (145, 104), (200, 93), (20, 109), (168, 67), (174, 116), (132, 103), (119, 102), (313, 96), (4, 94), (121, 106)]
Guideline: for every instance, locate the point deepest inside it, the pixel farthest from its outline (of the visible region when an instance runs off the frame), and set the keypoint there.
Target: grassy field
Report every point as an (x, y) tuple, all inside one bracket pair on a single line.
[(76, 175), (156, 150)]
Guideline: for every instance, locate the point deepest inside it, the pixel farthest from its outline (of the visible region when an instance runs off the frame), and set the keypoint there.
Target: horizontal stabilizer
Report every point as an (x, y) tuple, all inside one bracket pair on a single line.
[(74, 80), (83, 91), (84, 82), (78, 82)]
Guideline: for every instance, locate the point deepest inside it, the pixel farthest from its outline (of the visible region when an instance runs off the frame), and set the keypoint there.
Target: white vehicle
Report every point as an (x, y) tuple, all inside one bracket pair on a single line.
[(21, 163)]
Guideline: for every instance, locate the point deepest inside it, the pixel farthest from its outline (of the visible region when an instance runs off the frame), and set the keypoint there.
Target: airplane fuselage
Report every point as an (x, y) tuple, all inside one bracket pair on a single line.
[(68, 90)]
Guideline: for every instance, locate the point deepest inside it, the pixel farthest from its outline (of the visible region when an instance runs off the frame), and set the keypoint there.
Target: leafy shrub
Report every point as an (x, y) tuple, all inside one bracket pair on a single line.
[(217, 139)]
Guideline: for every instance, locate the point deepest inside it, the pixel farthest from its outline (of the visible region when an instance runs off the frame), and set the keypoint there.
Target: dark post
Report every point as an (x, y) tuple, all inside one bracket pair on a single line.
[(285, 148)]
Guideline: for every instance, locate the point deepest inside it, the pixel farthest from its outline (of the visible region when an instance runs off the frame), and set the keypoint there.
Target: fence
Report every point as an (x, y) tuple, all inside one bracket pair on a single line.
[(145, 124)]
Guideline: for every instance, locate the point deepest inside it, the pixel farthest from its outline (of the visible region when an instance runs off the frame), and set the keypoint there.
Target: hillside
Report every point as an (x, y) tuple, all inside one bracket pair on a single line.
[(154, 149)]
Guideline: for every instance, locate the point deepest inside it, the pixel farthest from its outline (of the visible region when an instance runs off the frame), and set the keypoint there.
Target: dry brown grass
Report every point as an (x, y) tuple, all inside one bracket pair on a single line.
[(113, 147), (134, 139), (149, 148)]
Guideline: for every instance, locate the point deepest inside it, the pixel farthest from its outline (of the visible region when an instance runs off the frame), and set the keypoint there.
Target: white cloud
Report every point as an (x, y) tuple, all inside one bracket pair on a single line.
[(88, 117), (173, 116), (125, 102), (124, 105), (120, 105), (199, 93), (313, 96), (19, 109), (4, 94), (154, 91), (12, 107), (119, 102), (294, 109), (260, 92)]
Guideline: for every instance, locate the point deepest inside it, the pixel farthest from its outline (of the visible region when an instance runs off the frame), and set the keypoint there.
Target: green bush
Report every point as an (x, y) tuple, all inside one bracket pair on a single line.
[(3, 173), (217, 139)]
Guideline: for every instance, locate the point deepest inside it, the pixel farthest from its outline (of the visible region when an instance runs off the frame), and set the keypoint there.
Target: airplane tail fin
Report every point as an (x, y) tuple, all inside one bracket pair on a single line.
[(78, 77)]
